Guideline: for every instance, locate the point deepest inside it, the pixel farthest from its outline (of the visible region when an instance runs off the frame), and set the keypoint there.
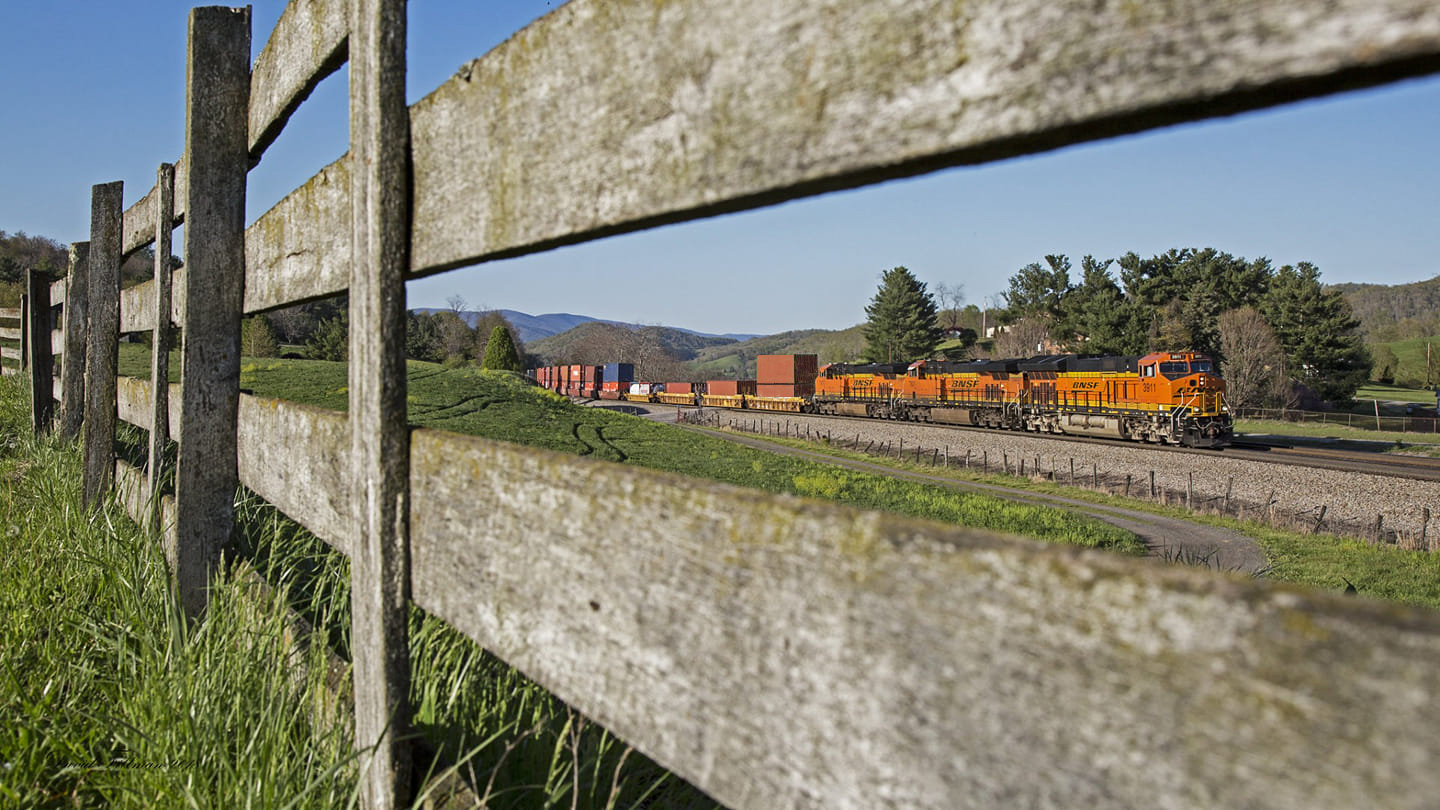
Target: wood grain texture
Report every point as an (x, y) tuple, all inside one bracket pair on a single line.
[(102, 338), (76, 315), (7, 333), (300, 249), (139, 221), (10, 353), (379, 434), (137, 304), (297, 458), (307, 44), (780, 652), (159, 437), (216, 150), (135, 405), (613, 115), (10, 312), (57, 292)]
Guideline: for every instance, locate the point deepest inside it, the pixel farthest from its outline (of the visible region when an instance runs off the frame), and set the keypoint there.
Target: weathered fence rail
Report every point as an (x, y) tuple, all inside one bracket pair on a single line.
[(774, 651)]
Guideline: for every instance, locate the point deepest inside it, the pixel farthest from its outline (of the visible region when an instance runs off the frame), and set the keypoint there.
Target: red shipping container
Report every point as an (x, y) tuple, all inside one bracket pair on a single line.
[(575, 372), (777, 390), (614, 385), (730, 388), (590, 373), (610, 393), (679, 388), (773, 369)]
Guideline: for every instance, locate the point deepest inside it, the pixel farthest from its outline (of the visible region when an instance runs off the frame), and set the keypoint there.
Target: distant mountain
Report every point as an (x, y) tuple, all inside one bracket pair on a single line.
[(1395, 312), (530, 328), (604, 342), (737, 360)]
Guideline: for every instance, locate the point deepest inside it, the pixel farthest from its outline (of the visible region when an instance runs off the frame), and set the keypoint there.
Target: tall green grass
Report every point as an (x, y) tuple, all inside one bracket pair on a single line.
[(109, 697)]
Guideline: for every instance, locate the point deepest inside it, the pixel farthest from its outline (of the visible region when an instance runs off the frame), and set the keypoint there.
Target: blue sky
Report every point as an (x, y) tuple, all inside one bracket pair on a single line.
[(94, 92)]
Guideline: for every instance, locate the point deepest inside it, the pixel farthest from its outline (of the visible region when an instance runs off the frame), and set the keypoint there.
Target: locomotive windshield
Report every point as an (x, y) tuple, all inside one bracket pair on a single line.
[(1174, 370), (1201, 367)]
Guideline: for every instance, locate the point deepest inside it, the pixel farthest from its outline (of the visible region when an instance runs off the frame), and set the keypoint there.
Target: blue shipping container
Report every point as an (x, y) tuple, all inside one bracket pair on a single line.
[(619, 372)]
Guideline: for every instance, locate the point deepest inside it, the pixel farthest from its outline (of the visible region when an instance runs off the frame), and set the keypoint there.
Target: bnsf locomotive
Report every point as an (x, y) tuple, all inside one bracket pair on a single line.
[(1164, 397)]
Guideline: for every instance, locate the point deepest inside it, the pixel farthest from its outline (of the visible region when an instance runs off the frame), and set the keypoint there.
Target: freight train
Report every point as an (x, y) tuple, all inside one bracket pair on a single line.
[(1162, 397)]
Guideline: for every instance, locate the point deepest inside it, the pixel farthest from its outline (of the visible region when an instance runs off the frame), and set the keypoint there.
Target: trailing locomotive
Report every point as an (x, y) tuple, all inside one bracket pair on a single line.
[(1162, 397)]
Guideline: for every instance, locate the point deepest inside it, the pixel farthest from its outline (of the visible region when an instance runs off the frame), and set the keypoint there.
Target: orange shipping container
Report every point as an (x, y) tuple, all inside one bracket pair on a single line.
[(729, 388), (776, 369), (679, 388)]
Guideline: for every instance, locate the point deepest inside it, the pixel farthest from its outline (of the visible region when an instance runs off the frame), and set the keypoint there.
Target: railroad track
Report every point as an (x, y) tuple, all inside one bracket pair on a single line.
[(1415, 468)]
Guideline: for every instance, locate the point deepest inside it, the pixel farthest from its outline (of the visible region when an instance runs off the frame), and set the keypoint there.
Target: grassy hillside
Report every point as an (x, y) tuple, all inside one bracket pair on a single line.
[(1395, 312), (1410, 371), (737, 360), (597, 343)]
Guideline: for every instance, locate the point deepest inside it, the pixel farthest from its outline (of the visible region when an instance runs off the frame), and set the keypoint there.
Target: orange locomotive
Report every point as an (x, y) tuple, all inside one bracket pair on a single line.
[(1165, 397)]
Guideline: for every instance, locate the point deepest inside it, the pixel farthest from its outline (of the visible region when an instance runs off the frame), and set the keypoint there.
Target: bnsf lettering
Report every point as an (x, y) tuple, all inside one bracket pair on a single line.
[(965, 384), (1085, 385)]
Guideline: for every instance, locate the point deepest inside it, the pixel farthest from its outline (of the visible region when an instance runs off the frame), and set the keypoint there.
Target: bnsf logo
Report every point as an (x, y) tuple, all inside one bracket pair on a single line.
[(965, 384), (1085, 385)]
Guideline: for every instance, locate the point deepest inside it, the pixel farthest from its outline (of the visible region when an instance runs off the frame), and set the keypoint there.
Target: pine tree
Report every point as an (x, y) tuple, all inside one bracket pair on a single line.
[(500, 353), (901, 324), (1318, 332)]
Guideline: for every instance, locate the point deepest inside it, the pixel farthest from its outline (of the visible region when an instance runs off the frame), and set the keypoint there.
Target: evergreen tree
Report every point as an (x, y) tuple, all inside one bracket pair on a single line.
[(1319, 333), (900, 325), (257, 338), (500, 352), (331, 339), (1036, 291), (1095, 316)]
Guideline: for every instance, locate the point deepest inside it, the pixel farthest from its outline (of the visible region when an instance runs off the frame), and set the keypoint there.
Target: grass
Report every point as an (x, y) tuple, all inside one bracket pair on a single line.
[(109, 696), (1408, 442), (1395, 393), (1410, 357), (502, 406), (1315, 560)]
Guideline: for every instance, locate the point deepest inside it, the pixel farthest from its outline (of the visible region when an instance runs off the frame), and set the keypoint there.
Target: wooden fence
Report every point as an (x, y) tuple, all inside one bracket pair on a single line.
[(776, 652), (1363, 421)]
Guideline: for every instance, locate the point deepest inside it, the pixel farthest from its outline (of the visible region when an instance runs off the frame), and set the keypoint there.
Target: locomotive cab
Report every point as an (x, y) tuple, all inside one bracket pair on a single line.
[(1187, 384)]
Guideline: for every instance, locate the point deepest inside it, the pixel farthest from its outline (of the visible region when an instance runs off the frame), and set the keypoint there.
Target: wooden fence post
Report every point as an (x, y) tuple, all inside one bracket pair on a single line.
[(24, 331), (380, 439), (217, 101), (102, 340), (72, 361), (41, 361), (160, 337)]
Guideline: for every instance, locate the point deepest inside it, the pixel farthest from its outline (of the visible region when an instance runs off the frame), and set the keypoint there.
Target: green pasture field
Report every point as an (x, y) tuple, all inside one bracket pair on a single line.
[(503, 406), (1315, 560), (1410, 359), (1393, 393)]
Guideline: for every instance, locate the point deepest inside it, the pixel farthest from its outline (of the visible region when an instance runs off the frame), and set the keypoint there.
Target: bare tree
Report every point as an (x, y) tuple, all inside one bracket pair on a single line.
[(1024, 338), (1254, 366), (950, 297)]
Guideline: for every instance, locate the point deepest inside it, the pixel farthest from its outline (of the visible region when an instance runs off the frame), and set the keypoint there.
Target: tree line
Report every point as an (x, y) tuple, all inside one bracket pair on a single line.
[(1279, 335), (320, 330)]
